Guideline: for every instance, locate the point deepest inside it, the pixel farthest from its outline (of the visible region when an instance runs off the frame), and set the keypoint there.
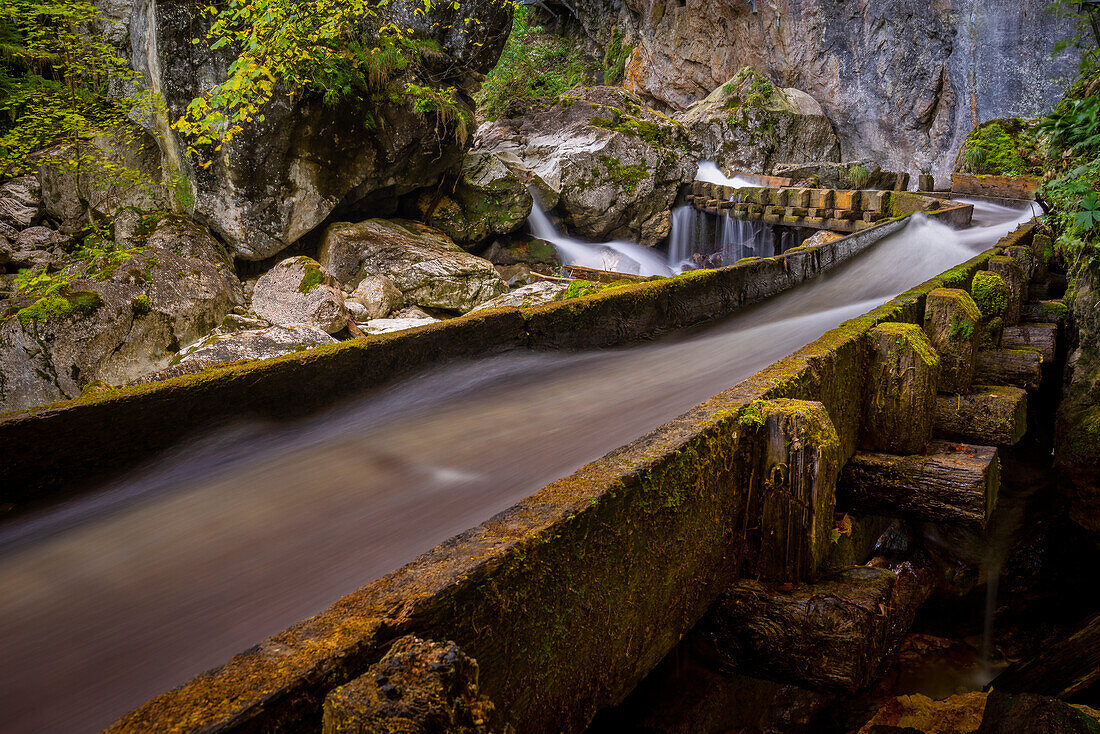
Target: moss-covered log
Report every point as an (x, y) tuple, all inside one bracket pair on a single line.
[(988, 415), (1044, 312), (796, 463), (951, 483), (901, 390), (1043, 337), (951, 322), (1017, 367), (1013, 276)]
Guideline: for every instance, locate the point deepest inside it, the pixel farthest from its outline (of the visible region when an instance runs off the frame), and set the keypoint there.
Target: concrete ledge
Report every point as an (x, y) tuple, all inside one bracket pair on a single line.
[(568, 598)]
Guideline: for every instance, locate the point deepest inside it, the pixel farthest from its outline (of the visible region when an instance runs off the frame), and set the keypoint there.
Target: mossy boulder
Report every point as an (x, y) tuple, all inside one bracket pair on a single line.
[(900, 394), (487, 200), (952, 323), (114, 317), (298, 291), (427, 266)]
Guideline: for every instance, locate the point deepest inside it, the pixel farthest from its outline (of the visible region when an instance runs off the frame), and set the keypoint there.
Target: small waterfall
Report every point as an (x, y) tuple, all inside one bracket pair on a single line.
[(617, 256), (710, 173)]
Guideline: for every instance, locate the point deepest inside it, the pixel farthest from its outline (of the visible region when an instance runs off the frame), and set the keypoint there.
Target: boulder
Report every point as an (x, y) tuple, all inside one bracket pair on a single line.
[(375, 297), (264, 343), (35, 248), (304, 155), (985, 713), (400, 323), (488, 199), (747, 124), (615, 165), (426, 266), (299, 291), (535, 294), (116, 317), (20, 201)]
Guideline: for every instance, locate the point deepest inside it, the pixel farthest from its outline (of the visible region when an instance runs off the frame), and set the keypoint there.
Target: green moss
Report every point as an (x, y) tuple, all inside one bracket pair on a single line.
[(651, 132), (960, 328), (141, 305), (312, 278), (579, 288), (615, 58), (60, 306), (628, 176), (1003, 148), (990, 293)]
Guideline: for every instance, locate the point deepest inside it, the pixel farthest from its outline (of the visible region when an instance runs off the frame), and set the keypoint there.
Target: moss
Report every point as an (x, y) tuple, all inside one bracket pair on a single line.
[(960, 328), (615, 58), (141, 305), (312, 278), (60, 306), (627, 176), (650, 132), (990, 293), (579, 288), (1003, 148)]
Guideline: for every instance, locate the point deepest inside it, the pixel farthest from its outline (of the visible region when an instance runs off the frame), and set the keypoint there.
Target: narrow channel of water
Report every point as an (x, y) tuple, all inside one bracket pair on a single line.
[(119, 595)]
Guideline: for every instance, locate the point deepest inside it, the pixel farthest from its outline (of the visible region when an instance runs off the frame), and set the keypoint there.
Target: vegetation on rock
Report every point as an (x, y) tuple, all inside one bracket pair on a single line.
[(1004, 148), (990, 292)]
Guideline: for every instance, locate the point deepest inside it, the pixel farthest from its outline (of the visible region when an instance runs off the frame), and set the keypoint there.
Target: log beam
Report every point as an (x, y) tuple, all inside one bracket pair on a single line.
[(988, 415), (1017, 367)]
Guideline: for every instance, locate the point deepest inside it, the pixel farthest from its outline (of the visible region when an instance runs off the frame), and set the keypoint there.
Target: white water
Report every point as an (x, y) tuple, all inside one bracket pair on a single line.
[(710, 173), (694, 233), (618, 256)]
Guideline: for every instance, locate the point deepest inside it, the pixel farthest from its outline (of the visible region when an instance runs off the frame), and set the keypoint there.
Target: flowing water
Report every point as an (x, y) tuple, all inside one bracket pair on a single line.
[(115, 596)]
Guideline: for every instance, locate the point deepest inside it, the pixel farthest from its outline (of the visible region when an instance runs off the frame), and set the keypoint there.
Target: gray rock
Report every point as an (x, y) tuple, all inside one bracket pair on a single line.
[(124, 319), (287, 170), (374, 298), (615, 164), (125, 228), (20, 202), (743, 131), (535, 294), (385, 326), (426, 266), (488, 199), (903, 81), (299, 291), (516, 275)]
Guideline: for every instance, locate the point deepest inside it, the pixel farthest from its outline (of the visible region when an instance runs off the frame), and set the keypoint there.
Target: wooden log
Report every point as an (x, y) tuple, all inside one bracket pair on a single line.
[(832, 635), (1023, 257), (1069, 667), (793, 480), (988, 415), (1038, 291), (1013, 276), (1019, 367), (1043, 337), (901, 390), (951, 322), (950, 483), (1044, 312)]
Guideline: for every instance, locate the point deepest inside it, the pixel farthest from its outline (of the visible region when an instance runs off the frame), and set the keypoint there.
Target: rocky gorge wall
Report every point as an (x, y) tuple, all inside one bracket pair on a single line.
[(902, 81)]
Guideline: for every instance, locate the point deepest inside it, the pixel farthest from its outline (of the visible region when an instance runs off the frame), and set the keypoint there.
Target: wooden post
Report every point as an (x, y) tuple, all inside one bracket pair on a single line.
[(1013, 276), (901, 390), (951, 322), (793, 482)]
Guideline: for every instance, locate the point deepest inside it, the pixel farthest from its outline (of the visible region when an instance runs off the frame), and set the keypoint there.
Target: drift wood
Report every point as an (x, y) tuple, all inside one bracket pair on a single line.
[(1018, 367), (1067, 668), (988, 415), (831, 635), (951, 483)]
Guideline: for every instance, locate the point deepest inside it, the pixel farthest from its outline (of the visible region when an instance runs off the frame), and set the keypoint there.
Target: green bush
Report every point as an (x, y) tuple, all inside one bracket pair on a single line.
[(533, 64)]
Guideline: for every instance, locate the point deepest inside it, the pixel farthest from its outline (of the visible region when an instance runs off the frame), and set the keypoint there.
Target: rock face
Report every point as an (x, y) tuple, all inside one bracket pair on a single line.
[(282, 176), (903, 81), (426, 266), (487, 199), (20, 202), (298, 291), (747, 124), (615, 165), (116, 319)]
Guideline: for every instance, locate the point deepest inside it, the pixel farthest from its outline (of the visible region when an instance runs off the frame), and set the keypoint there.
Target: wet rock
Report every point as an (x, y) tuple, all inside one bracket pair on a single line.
[(299, 291), (746, 124), (835, 175), (1033, 714), (116, 321), (822, 237), (20, 202), (252, 344), (374, 298), (516, 275), (535, 294), (400, 323), (917, 714), (487, 200), (426, 266), (419, 687), (615, 164), (532, 253), (303, 156)]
